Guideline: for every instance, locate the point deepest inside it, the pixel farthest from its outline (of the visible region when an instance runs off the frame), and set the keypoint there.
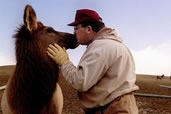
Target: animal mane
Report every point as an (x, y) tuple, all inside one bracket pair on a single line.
[(35, 76)]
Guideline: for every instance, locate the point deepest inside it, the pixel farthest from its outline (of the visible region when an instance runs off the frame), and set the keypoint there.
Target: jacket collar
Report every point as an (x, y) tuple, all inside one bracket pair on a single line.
[(108, 33)]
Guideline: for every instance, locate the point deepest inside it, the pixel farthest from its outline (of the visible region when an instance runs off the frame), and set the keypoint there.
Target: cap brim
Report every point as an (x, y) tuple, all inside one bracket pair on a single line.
[(73, 23)]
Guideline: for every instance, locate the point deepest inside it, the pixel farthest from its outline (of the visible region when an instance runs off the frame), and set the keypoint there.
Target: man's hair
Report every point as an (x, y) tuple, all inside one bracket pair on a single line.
[(96, 25)]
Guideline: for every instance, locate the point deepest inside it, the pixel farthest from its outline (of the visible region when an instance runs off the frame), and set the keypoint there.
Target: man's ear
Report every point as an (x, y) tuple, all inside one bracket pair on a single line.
[(89, 28)]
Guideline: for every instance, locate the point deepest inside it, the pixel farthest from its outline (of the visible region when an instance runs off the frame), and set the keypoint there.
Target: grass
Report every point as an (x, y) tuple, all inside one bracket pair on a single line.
[(150, 84), (5, 73), (6, 70)]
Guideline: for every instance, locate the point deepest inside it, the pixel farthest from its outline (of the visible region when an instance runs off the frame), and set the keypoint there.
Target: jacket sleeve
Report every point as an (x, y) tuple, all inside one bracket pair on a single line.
[(89, 71)]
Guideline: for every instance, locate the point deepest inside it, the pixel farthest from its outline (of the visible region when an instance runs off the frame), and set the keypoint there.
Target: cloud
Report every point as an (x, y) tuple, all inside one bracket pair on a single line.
[(6, 60), (154, 60)]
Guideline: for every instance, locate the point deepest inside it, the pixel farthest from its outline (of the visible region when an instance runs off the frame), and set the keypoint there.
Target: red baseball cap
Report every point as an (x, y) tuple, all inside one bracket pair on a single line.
[(84, 15)]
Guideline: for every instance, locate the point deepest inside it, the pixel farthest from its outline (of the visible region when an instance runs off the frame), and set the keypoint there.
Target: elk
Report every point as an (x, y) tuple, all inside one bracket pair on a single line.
[(33, 87), (160, 77)]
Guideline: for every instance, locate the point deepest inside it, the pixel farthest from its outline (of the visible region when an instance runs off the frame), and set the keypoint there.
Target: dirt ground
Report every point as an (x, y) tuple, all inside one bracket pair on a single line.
[(146, 105)]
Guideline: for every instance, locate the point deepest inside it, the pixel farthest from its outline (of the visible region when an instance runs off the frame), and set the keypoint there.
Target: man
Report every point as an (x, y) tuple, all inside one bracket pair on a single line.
[(105, 76)]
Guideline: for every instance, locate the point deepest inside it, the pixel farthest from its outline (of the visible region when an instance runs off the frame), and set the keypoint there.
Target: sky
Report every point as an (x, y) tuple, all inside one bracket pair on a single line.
[(144, 25)]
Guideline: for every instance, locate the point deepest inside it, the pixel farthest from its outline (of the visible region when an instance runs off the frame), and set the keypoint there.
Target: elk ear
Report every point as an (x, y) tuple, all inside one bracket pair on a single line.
[(30, 20)]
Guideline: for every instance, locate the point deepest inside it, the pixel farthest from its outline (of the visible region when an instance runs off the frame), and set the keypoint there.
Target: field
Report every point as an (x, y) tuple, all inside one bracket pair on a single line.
[(147, 83)]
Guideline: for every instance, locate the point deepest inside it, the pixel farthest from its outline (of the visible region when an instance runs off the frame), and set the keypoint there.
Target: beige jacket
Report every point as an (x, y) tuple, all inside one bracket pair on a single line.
[(105, 71)]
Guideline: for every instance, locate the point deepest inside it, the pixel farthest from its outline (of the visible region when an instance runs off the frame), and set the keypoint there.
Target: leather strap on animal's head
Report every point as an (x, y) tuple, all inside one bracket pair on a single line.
[(30, 20)]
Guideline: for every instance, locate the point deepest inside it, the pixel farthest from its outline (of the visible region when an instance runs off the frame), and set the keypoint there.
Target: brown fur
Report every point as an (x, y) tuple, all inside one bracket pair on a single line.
[(31, 87)]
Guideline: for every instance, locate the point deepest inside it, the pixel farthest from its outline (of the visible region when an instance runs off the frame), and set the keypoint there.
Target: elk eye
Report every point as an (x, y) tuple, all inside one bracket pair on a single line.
[(50, 30)]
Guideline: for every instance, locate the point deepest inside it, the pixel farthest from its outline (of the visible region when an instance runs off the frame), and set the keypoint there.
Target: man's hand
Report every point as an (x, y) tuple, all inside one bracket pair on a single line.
[(58, 54)]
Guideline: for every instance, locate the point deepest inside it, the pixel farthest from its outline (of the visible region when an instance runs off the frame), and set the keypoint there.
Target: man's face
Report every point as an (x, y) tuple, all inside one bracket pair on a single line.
[(82, 34)]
